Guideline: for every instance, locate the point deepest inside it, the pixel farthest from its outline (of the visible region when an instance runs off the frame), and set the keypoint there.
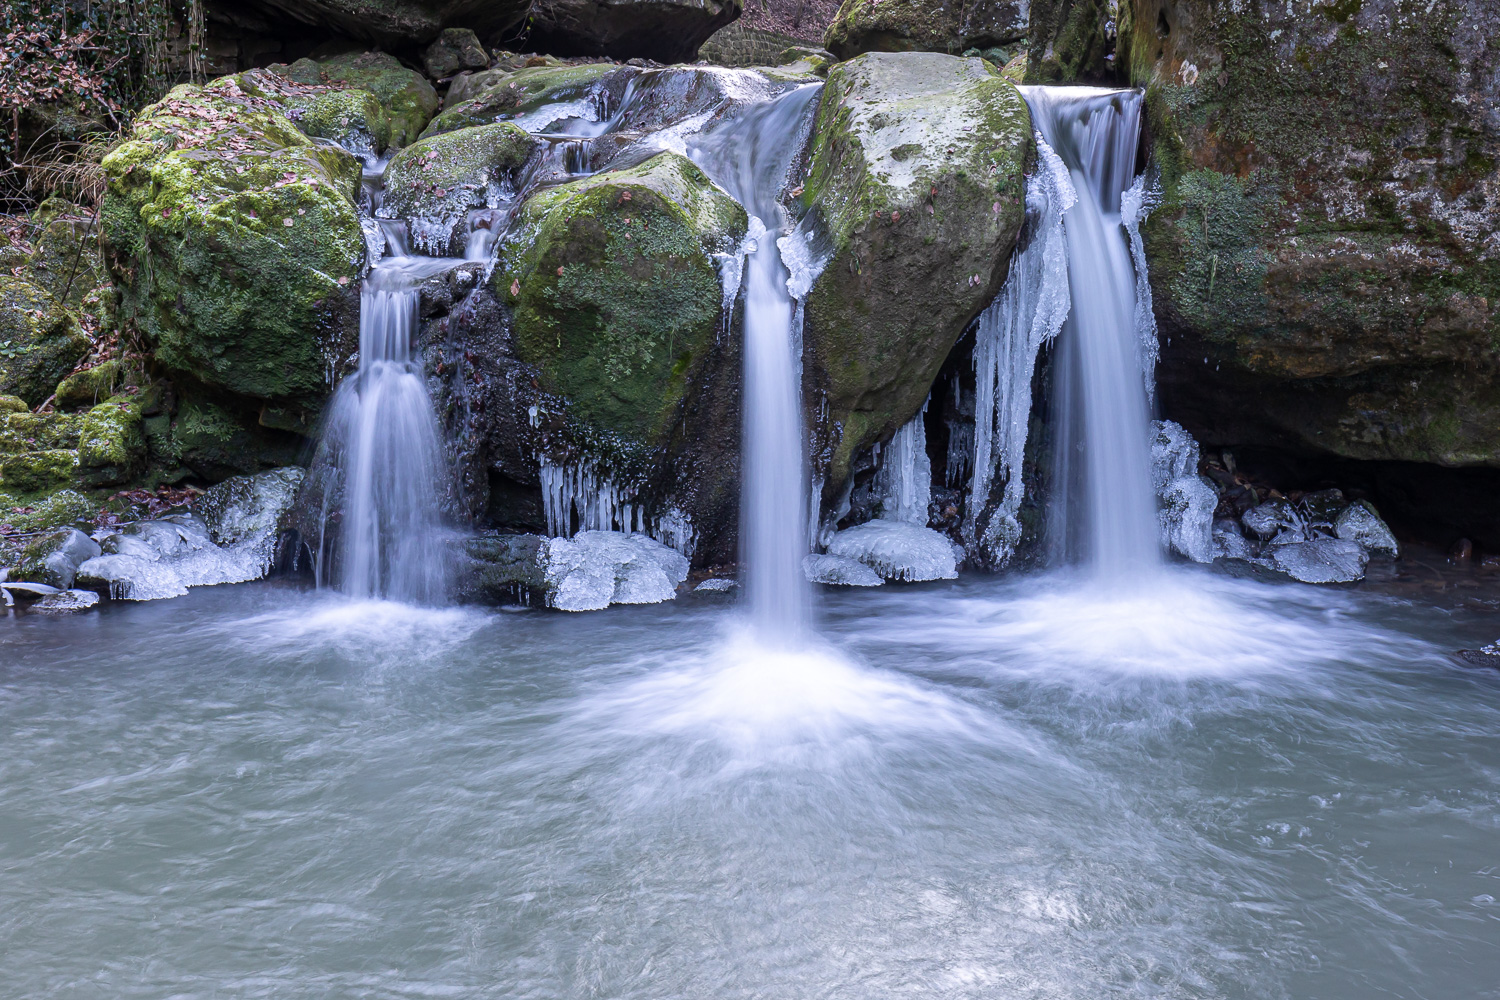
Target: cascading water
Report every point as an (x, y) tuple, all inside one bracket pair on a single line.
[(381, 455), (1075, 278), (1106, 509), (750, 156)]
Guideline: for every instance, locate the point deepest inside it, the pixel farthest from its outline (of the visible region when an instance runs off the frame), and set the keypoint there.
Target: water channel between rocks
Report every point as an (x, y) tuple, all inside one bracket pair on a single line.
[(995, 787)]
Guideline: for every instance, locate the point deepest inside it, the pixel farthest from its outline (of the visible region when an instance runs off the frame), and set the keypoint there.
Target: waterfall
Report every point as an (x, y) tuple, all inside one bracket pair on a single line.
[(750, 155), (381, 451), (1079, 276)]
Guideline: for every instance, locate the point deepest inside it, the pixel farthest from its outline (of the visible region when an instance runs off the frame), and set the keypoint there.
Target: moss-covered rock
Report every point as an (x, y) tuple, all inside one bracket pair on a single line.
[(67, 262), (42, 471), (1325, 263), (915, 196), (235, 243), (59, 509), (408, 99), (951, 26), (90, 386), (40, 341), (111, 442), (524, 96), (24, 431), (613, 291), (215, 442), (433, 183)]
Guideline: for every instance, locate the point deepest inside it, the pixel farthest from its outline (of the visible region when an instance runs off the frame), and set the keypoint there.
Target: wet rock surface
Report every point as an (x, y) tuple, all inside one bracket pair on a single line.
[(948, 26)]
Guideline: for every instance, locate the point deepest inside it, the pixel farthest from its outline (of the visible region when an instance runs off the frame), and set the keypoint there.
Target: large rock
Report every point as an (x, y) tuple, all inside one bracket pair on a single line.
[(408, 99), (40, 341), (235, 244), (614, 294), (925, 25), (915, 197), (455, 49), (529, 95), (433, 183), (1325, 264), (664, 30)]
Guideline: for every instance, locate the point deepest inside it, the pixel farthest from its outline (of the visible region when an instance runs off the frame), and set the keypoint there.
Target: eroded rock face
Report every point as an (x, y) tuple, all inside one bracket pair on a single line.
[(950, 26), (915, 195), (1326, 261), (667, 31), (389, 22), (235, 244)]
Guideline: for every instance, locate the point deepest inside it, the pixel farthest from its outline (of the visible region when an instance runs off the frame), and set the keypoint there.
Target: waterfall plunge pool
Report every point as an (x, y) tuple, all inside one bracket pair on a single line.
[(998, 787)]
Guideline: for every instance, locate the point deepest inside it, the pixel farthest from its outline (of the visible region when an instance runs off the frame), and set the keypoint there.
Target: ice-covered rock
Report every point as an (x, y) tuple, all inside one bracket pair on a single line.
[(1359, 523), (1272, 518), (65, 602), (1321, 560), (54, 558), (716, 585), (595, 569), (1230, 543), (233, 542), (839, 571), (1185, 500), (897, 551)]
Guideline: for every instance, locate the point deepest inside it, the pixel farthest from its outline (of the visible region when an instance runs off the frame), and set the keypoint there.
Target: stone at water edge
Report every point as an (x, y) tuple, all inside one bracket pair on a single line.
[(716, 585), (898, 551), (528, 95), (65, 602), (1185, 500), (1321, 560), (1272, 518), (595, 569), (839, 571), (915, 196), (408, 100), (1359, 523), (54, 558)]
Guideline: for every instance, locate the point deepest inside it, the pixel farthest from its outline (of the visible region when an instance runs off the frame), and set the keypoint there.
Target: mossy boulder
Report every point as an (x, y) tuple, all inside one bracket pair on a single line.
[(950, 26), (408, 99), (111, 442), (433, 183), (23, 431), (613, 290), (235, 243), (214, 442), (67, 262), (1325, 263), (62, 508), (524, 95), (915, 195), (40, 341), (355, 119)]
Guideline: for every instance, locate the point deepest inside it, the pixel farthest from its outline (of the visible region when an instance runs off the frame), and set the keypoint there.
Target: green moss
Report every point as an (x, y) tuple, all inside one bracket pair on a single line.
[(62, 508), (90, 386), (235, 242), (613, 292), (111, 444), (40, 341), (950, 26), (434, 182), (408, 99), (38, 471), (13, 404), (23, 431), (516, 94), (353, 118)]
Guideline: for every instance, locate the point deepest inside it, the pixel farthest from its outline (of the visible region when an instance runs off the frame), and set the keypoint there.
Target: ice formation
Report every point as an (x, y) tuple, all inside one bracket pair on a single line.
[(898, 550), (595, 569), (840, 571), (1028, 312), (905, 478), (1185, 500)]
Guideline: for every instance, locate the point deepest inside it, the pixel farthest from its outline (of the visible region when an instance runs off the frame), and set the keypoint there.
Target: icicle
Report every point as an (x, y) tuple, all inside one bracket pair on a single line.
[(1028, 312), (905, 477), (1135, 204)]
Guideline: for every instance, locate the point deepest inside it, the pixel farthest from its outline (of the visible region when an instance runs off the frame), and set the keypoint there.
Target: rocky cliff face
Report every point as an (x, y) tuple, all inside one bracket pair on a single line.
[(1326, 258)]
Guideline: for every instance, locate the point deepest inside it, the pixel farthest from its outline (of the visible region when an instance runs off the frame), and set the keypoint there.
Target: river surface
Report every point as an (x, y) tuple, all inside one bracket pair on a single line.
[(1010, 788)]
